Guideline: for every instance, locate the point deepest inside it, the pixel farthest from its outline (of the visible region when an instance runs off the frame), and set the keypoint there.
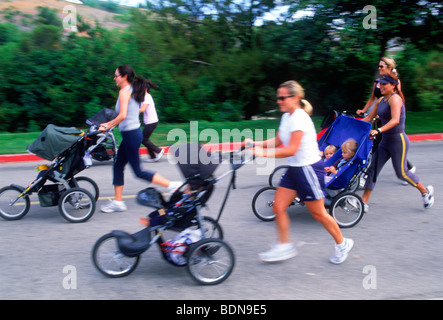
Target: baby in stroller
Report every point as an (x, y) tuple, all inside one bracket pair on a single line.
[(208, 258), (348, 149)]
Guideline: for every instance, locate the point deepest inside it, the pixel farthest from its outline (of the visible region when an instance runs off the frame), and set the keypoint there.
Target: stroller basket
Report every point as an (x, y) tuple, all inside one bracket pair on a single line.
[(49, 195)]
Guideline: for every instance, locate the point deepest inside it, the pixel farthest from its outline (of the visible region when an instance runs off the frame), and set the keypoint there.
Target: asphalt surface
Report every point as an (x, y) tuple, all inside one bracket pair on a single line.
[(397, 252)]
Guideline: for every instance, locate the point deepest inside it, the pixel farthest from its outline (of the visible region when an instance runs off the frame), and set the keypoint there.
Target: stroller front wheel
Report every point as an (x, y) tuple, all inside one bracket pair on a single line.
[(347, 209), (262, 203), (210, 261), (109, 260), (11, 206), (76, 205)]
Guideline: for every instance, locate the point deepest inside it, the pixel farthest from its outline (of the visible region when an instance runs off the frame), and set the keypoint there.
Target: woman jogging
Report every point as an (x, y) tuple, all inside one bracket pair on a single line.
[(304, 178), (132, 91), (394, 143), (150, 120)]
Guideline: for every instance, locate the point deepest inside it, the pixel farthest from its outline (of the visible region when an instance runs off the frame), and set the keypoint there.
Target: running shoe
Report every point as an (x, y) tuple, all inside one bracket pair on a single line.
[(279, 252), (173, 186), (341, 251), (428, 198), (114, 206)]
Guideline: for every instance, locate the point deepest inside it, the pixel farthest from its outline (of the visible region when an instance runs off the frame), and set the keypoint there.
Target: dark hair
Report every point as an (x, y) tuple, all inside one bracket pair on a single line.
[(138, 84), (150, 85), (396, 89)]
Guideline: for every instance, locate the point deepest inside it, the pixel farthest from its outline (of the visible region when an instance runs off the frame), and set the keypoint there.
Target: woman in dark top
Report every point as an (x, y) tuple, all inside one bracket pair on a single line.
[(394, 145)]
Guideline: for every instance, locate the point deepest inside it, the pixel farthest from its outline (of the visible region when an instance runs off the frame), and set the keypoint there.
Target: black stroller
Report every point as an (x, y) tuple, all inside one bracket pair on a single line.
[(75, 196), (105, 146), (199, 246)]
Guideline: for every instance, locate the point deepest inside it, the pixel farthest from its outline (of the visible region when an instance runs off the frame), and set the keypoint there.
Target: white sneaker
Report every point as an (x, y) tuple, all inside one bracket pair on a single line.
[(159, 155), (114, 206), (279, 252), (173, 186), (341, 251), (428, 198), (365, 207)]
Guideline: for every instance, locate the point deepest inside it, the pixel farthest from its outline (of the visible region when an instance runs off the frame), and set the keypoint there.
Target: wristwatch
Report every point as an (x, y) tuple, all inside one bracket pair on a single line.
[(379, 130)]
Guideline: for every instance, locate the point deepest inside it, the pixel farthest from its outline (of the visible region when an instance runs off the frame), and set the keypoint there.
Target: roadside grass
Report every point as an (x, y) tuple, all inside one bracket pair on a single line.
[(216, 132)]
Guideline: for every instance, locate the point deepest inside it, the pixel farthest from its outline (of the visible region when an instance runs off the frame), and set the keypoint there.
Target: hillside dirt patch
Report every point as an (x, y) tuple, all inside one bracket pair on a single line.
[(89, 14)]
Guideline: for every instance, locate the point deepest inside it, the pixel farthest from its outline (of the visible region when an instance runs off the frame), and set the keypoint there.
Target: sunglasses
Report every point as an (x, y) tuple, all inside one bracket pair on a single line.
[(283, 98), (382, 66), (116, 76)]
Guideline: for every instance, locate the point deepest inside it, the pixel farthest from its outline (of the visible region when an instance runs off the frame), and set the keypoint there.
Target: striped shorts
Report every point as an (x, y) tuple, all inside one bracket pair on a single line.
[(308, 181)]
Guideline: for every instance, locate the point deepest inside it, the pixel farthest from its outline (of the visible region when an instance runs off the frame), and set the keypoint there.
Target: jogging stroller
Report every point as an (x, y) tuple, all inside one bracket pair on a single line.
[(345, 205), (105, 146), (75, 196), (199, 245)]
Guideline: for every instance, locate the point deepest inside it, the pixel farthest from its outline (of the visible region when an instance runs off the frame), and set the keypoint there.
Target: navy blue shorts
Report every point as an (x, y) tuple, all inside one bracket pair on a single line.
[(308, 181)]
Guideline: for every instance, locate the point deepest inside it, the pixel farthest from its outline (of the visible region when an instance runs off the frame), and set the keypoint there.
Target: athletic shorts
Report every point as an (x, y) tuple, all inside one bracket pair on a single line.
[(308, 181)]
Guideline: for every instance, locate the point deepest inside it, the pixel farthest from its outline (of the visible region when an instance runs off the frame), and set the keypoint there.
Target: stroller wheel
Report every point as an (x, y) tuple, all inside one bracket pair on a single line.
[(12, 207), (347, 208), (262, 204), (86, 183), (108, 259), (276, 175), (210, 261), (76, 205), (211, 227)]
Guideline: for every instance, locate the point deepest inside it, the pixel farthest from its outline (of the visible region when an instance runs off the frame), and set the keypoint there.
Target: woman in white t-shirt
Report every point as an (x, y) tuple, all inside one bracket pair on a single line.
[(150, 119), (304, 178)]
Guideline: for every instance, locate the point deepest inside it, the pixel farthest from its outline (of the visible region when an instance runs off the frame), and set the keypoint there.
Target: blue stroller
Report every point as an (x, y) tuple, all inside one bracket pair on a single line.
[(199, 246), (345, 205)]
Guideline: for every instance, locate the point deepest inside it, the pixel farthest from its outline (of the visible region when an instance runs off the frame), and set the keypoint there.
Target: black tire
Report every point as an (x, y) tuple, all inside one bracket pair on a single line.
[(210, 261), (213, 229), (76, 205), (347, 208), (108, 259), (262, 204), (16, 211), (276, 175), (86, 183)]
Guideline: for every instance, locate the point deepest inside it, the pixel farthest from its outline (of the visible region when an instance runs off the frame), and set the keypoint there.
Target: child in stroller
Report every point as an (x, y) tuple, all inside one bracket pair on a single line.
[(208, 258)]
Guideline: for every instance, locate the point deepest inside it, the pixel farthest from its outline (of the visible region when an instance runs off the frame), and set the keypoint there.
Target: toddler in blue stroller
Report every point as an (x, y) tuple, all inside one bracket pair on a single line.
[(345, 205)]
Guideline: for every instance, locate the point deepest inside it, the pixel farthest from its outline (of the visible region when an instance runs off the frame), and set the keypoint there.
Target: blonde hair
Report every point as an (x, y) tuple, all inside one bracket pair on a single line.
[(391, 62), (349, 145), (295, 89), (331, 148), (306, 106)]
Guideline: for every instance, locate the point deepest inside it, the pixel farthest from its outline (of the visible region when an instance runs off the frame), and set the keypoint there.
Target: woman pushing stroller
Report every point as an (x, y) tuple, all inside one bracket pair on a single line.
[(304, 177), (394, 144), (132, 93)]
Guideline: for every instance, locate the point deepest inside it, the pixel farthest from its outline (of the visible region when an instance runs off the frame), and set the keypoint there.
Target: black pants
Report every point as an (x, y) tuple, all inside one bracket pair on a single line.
[(147, 131)]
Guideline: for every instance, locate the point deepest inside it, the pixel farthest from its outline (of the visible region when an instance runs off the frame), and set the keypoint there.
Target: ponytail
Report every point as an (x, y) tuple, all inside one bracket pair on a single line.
[(150, 85), (138, 89)]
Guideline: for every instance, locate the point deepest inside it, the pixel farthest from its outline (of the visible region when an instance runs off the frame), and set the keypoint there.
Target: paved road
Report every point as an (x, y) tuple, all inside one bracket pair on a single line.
[(397, 253)]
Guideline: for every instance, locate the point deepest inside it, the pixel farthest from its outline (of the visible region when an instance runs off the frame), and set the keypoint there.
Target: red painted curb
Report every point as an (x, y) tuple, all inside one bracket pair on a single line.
[(211, 147)]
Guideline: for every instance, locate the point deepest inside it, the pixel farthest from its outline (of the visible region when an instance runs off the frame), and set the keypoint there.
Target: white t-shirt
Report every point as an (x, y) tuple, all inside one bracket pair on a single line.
[(150, 114), (308, 152)]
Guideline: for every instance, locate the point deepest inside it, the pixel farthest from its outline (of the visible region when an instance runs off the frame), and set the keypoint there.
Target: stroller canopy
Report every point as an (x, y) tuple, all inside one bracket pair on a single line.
[(104, 115), (53, 141), (196, 163)]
